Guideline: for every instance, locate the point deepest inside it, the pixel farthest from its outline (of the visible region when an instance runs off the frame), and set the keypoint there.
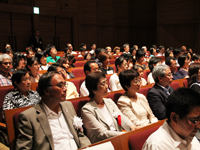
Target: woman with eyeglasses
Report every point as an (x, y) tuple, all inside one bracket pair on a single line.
[(21, 96), (132, 104), (101, 115)]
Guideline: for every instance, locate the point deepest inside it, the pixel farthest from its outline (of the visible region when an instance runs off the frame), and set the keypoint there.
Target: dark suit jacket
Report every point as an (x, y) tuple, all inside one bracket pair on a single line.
[(157, 99), (35, 132), (36, 44)]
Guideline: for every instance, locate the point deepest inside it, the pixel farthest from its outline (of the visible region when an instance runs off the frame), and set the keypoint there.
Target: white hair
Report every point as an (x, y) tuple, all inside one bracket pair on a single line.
[(4, 56)]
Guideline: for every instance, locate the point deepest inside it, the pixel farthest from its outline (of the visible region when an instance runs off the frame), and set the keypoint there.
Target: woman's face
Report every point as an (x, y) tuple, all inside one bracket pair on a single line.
[(123, 66), (140, 71), (171, 54), (134, 52), (62, 72), (21, 64), (34, 67), (66, 65), (106, 62), (135, 84), (102, 87), (117, 51), (187, 61), (43, 60), (140, 60), (25, 83)]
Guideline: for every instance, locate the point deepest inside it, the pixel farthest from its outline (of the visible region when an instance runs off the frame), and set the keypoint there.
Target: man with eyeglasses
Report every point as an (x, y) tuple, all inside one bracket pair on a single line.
[(5, 68), (158, 94), (53, 123), (178, 132), (171, 62)]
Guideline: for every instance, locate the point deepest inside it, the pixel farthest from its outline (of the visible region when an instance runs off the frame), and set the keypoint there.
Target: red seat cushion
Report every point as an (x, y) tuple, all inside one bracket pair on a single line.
[(115, 96), (185, 83), (78, 72), (79, 103), (145, 90), (77, 83), (175, 85)]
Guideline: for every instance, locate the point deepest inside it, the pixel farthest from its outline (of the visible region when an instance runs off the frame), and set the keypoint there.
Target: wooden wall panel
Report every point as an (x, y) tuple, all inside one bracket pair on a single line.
[(105, 36), (121, 36)]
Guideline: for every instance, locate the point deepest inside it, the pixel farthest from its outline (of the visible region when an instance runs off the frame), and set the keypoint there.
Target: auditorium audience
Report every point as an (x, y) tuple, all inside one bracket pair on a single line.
[(129, 59), (18, 61), (194, 77), (69, 45), (171, 62), (52, 52), (154, 61), (133, 53), (121, 65), (158, 94), (196, 58), (7, 45), (132, 104), (116, 51), (93, 48), (184, 61), (89, 67), (140, 70), (87, 57), (36, 40), (82, 52), (178, 131), (104, 59), (161, 51), (21, 96), (71, 88), (100, 114), (53, 123), (8, 51), (71, 60), (42, 59), (30, 53), (5, 68), (152, 52), (126, 48), (177, 53), (33, 67), (140, 58)]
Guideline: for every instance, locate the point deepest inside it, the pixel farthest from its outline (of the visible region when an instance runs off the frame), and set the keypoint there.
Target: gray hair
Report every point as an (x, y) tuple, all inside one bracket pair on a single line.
[(126, 44), (159, 71), (4, 56)]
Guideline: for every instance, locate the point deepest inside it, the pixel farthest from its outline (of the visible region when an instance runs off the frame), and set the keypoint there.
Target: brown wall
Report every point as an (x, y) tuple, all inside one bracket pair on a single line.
[(104, 22)]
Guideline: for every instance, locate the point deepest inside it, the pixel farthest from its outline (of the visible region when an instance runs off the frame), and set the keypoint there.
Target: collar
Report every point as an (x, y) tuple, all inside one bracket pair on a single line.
[(49, 112), (3, 74), (167, 88)]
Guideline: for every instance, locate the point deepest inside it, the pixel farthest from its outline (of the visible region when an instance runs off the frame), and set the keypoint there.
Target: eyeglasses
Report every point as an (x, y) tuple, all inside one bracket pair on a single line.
[(196, 121), (137, 81), (6, 63), (61, 85)]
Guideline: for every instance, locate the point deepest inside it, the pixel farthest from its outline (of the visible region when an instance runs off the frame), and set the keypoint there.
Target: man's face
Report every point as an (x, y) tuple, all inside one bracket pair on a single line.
[(126, 49), (197, 60), (162, 50), (108, 49), (53, 51), (31, 54), (37, 33), (70, 46), (94, 67), (173, 65), (185, 127), (167, 79), (93, 46), (6, 66)]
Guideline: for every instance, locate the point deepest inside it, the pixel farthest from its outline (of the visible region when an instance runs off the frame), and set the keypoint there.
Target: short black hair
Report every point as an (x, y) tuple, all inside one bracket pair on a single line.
[(126, 76), (82, 44), (87, 66), (195, 57), (181, 59), (54, 67), (39, 55), (140, 53), (182, 101), (153, 61), (16, 58), (30, 62), (132, 49), (167, 53), (176, 51), (17, 76), (119, 61), (168, 60), (161, 46), (92, 80), (151, 50), (48, 48), (7, 50)]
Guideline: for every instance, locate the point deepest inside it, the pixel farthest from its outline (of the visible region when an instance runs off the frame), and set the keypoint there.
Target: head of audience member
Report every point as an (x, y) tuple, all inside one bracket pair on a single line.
[(67, 50), (171, 62), (161, 49), (58, 68), (37, 33), (93, 46), (52, 88), (41, 57), (168, 53), (71, 59), (83, 45), (152, 51), (190, 50), (7, 45), (139, 69), (162, 75), (183, 112), (69, 45), (104, 59), (97, 84), (133, 51), (194, 73), (38, 50), (5, 64), (196, 58), (144, 49), (18, 61), (30, 53), (98, 51), (8, 51), (184, 48), (29, 46), (171, 49), (21, 81), (32, 66), (82, 50), (154, 61), (136, 47), (63, 61), (177, 52), (116, 50), (90, 66), (121, 64), (129, 59), (130, 80), (51, 51), (183, 61), (126, 47), (108, 49), (88, 56), (140, 56)]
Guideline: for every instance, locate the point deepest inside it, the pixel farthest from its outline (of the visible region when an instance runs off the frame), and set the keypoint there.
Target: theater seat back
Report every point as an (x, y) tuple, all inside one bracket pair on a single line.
[(185, 83), (144, 90)]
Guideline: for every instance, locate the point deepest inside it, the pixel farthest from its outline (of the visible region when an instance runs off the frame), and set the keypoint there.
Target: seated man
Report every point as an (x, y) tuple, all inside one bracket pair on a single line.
[(51, 124), (158, 94), (52, 52), (171, 62), (178, 132), (5, 68), (89, 67)]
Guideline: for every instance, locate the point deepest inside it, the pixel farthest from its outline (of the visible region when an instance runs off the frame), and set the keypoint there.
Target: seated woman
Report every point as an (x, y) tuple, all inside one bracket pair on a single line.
[(33, 67), (104, 59), (184, 61), (194, 74), (132, 104), (21, 96), (71, 88), (64, 61), (100, 114), (42, 59), (140, 54), (71, 60), (140, 70), (116, 51), (120, 64), (18, 61)]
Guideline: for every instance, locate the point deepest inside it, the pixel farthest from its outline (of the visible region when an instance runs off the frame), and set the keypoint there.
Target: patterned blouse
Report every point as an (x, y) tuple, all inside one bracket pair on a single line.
[(15, 99)]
